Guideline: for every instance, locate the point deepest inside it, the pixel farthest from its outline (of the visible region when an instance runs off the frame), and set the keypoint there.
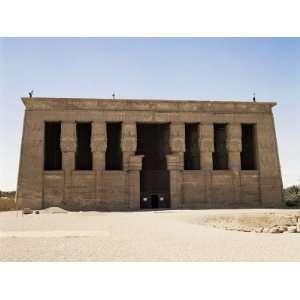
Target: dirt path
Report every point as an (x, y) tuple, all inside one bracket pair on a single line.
[(136, 236)]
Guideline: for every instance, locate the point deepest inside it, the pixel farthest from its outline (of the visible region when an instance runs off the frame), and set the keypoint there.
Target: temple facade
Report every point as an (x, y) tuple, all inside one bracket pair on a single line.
[(101, 154)]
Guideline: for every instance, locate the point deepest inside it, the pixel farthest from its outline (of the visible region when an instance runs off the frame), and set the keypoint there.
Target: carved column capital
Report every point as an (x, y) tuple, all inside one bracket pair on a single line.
[(234, 145), (98, 145), (99, 137), (177, 137), (68, 137), (206, 145), (234, 136), (135, 162), (174, 162), (128, 141), (206, 137)]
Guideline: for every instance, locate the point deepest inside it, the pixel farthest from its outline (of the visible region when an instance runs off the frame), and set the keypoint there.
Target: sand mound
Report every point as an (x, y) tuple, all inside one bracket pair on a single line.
[(54, 210)]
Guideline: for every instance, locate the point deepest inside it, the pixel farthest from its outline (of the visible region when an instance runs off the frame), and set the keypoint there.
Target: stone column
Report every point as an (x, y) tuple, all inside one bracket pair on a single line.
[(131, 163), (68, 148), (175, 163), (128, 142), (134, 168), (206, 146), (98, 147), (177, 141), (234, 148)]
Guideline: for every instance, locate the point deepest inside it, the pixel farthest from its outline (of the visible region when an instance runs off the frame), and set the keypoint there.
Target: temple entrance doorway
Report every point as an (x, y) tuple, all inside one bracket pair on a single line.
[(153, 143)]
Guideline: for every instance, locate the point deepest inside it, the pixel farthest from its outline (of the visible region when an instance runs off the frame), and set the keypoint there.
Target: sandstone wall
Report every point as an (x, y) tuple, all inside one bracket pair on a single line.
[(119, 190)]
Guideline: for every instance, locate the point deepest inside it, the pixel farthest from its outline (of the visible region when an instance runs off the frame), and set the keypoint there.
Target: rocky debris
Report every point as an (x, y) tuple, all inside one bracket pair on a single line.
[(270, 222), (292, 229), (53, 210), (275, 230), (27, 211), (282, 229), (298, 225), (37, 212)]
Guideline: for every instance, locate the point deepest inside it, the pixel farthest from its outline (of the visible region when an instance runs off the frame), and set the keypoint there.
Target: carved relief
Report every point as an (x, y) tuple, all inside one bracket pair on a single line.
[(206, 137), (68, 145), (128, 142), (68, 137), (206, 130), (234, 131), (99, 139), (129, 130), (174, 162), (177, 130), (135, 162), (234, 134), (177, 139), (234, 145), (206, 145)]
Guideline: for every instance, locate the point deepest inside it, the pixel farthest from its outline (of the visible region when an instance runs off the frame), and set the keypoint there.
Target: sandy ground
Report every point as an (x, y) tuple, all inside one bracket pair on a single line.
[(137, 236)]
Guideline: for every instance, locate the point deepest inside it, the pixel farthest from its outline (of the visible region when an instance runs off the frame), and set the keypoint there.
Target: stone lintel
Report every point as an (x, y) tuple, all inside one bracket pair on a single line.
[(44, 103)]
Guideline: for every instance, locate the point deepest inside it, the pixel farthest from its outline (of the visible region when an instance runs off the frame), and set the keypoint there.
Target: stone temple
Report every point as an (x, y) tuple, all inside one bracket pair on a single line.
[(104, 154)]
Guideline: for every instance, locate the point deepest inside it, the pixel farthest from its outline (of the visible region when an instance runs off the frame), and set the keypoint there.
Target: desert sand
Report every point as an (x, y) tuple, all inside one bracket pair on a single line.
[(167, 235)]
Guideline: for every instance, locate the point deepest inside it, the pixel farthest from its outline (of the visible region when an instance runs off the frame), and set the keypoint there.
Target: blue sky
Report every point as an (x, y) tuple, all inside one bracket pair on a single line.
[(172, 68)]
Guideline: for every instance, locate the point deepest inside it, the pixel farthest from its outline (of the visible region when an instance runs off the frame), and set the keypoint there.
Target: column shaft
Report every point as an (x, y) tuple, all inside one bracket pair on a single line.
[(98, 147), (128, 142), (175, 164), (134, 168), (206, 146), (68, 148), (234, 146)]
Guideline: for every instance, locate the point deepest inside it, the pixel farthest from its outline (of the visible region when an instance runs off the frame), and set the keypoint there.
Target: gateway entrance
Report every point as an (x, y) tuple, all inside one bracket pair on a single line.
[(153, 143)]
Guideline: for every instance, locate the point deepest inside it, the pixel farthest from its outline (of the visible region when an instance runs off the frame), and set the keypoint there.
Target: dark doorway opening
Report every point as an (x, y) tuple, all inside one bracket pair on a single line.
[(153, 143), (113, 155), (192, 152), (84, 160), (220, 156), (248, 155), (52, 151), (154, 201)]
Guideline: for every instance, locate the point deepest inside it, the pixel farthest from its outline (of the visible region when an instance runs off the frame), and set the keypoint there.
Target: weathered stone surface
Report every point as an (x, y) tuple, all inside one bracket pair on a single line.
[(292, 229), (27, 211), (103, 189), (275, 230), (298, 226)]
